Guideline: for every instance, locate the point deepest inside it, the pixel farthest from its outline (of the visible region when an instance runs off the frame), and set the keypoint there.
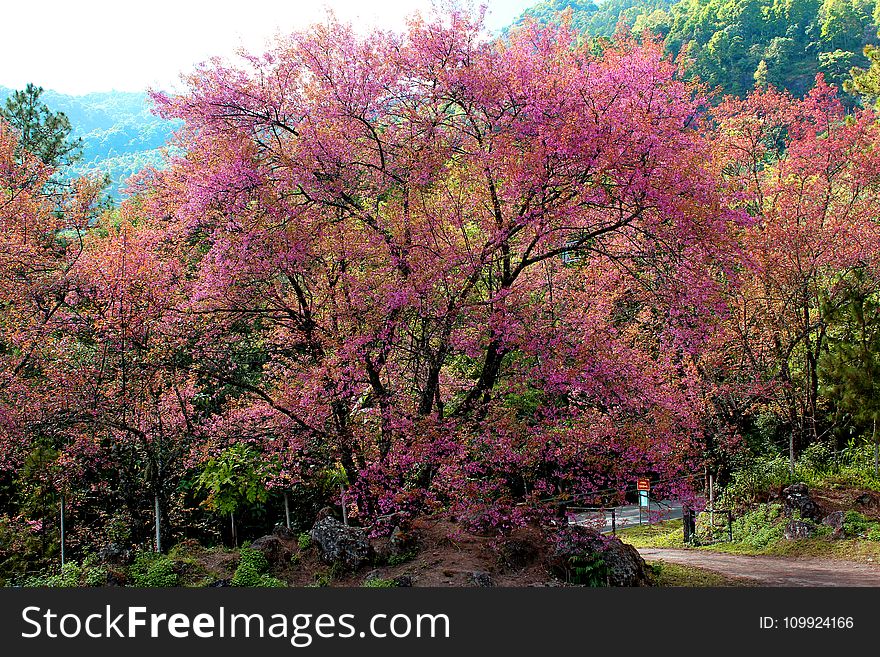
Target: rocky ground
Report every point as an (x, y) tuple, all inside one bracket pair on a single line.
[(429, 552)]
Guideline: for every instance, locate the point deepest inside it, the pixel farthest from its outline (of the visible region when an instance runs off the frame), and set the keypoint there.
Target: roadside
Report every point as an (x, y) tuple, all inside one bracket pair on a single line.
[(771, 571)]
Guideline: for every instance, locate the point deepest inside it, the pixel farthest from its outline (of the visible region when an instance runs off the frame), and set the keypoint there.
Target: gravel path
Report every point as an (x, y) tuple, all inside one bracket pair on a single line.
[(773, 571)]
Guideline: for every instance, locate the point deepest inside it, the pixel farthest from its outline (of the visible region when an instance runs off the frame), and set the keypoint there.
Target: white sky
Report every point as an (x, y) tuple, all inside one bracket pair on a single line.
[(78, 46)]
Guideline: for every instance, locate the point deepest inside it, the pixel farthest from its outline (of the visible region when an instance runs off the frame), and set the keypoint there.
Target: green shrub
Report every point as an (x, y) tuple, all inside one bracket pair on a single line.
[(304, 540), (759, 528), (252, 570), (856, 524), (403, 557), (751, 483), (152, 570), (322, 579), (379, 583), (95, 575), (587, 570)]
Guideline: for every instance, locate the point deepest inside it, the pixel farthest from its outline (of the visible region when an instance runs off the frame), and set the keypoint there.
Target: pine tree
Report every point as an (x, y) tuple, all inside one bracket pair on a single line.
[(42, 132)]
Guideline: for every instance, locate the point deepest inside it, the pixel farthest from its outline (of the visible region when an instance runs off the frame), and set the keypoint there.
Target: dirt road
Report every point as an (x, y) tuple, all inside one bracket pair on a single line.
[(773, 571)]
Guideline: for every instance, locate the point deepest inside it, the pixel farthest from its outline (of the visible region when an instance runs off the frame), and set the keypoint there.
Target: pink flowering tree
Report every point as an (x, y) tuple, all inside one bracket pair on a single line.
[(473, 273)]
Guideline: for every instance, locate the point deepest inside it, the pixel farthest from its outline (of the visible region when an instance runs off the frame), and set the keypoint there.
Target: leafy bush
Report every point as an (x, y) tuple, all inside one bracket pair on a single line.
[(751, 483), (152, 570), (579, 556), (304, 540), (379, 583), (403, 557), (856, 524), (587, 570), (817, 466), (759, 528), (68, 578), (252, 570), (95, 575)]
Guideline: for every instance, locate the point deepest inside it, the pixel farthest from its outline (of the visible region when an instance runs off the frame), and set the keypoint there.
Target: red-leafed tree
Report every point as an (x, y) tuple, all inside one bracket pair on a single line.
[(810, 178)]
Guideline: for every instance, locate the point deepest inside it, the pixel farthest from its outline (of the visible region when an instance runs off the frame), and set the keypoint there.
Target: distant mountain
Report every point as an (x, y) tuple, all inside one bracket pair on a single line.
[(595, 19), (120, 134)]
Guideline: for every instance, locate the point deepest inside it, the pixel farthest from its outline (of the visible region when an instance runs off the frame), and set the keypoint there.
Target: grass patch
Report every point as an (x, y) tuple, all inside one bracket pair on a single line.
[(819, 547), (673, 574), (757, 538), (667, 534)]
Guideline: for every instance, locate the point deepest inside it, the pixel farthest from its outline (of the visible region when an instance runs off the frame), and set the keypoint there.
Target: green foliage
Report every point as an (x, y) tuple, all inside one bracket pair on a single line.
[(751, 483), (236, 476), (865, 82), (252, 570), (402, 557), (43, 133), (118, 134), (857, 525), (379, 583), (587, 570), (304, 540), (69, 577), (850, 367), (94, 575), (735, 44), (322, 579), (818, 466), (152, 570), (21, 549), (760, 528)]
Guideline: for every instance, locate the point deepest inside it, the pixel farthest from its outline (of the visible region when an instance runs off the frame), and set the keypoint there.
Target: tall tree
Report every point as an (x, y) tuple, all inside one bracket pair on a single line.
[(42, 132), (471, 271)]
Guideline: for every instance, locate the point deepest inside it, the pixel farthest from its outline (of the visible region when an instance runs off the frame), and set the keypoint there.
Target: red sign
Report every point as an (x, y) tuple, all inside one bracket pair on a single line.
[(643, 484)]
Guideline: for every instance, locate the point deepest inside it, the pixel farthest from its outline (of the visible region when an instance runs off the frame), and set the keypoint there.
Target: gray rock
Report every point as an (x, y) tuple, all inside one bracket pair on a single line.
[(402, 541), (835, 521), (338, 543), (276, 553), (624, 565), (481, 578), (796, 498), (627, 568), (114, 554), (796, 529), (404, 581), (281, 531)]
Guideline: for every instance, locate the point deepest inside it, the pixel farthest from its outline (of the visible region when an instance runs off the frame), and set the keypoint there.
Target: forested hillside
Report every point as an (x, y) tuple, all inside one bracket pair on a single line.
[(736, 43), (120, 135)]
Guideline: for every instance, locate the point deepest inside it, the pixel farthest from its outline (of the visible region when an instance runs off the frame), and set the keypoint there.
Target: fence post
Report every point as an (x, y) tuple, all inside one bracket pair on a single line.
[(613, 521), (687, 522), (730, 526)]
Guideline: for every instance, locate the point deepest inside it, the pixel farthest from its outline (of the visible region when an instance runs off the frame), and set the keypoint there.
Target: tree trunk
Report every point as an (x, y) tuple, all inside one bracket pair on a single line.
[(876, 450), (62, 531), (344, 506), (158, 521)]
